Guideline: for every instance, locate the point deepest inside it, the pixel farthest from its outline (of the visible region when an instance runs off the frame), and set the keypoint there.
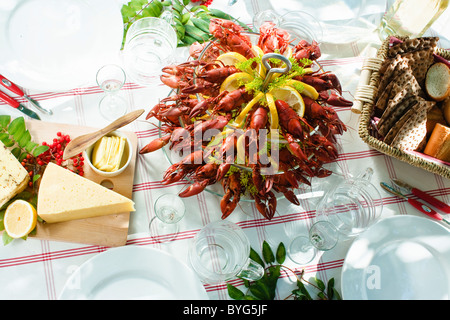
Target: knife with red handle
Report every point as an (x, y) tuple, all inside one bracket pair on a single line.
[(13, 103), (441, 206), (416, 204), (13, 88)]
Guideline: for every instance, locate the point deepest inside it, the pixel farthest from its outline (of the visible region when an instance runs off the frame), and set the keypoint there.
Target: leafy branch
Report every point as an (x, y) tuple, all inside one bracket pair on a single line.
[(191, 22), (265, 288), (14, 134)]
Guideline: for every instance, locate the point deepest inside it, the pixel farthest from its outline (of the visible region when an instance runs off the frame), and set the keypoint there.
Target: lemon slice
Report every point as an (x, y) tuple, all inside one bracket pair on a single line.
[(292, 97), (273, 114), (20, 219), (235, 81), (307, 90), (260, 68), (231, 58)]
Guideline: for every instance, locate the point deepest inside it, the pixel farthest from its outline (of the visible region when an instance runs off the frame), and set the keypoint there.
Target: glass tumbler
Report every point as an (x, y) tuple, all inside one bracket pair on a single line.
[(352, 205), (149, 45), (220, 251)]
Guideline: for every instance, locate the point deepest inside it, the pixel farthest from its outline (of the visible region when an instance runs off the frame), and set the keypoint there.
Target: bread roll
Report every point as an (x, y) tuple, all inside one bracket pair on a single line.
[(437, 82), (434, 116), (446, 110), (438, 145)]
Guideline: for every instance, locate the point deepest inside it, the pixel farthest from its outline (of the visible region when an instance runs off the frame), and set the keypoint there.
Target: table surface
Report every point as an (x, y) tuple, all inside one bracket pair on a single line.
[(39, 269)]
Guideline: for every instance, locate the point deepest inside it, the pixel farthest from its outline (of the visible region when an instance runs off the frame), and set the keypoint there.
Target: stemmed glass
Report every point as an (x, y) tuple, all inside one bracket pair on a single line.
[(323, 236), (111, 78), (169, 210)]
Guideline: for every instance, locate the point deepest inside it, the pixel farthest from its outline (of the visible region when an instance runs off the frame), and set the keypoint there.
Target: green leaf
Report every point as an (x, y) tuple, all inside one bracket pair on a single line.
[(16, 152), (336, 294), (4, 121), (23, 141), (320, 284), (303, 291), (6, 239), (8, 142), (36, 177), (330, 288), (267, 253), (30, 146), (234, 292), (22, 156), (260, 290), (16, 126), (39, 150), (4, 136), (281, 253), (255, 257)]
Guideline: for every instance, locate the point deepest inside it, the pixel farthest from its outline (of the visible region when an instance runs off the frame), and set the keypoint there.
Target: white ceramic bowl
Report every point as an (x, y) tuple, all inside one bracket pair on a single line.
[(126, 157)]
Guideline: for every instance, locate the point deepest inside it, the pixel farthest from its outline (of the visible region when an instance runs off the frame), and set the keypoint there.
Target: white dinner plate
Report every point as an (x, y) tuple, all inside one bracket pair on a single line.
[(399, 258), (133, 272), (54, 45)]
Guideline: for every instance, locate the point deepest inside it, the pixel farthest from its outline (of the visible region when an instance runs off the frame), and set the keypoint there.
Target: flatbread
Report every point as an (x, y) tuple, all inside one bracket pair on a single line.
[(412, 135), (392, 115), (393, 131), (414, 44)]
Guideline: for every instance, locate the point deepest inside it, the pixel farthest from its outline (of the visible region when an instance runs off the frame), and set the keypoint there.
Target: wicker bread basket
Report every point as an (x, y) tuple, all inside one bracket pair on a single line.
[(366, 95)]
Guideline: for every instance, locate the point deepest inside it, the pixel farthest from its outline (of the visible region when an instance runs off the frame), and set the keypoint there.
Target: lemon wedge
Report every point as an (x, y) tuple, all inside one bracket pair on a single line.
[(291, 96), (260, 68), (307, 90), (20, 219), (240, 118), (231, 58), (273, 114), (234, 81)]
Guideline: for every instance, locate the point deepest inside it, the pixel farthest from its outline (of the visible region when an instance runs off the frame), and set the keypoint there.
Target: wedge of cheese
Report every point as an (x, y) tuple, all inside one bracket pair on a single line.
[(64, 195), (13, 176)]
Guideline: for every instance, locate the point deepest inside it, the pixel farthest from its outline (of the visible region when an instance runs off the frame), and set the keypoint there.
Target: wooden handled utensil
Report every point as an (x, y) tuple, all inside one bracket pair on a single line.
[(81, 143)]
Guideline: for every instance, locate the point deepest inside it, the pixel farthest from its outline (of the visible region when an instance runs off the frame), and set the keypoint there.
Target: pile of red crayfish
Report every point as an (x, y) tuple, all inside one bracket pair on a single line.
[(214, 93)]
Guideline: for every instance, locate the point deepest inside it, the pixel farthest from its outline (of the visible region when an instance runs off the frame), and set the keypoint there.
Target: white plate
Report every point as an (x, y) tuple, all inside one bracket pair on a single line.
[(399, 258), (55, 45), (133, 272)]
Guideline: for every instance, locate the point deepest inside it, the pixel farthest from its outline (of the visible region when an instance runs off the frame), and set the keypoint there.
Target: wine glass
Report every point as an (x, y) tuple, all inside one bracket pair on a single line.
[(111, 78), (169, 210), (322, 236)]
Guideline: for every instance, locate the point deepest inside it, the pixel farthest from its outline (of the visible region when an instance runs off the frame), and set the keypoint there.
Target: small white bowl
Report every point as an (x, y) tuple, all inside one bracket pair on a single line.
[(126, 157)]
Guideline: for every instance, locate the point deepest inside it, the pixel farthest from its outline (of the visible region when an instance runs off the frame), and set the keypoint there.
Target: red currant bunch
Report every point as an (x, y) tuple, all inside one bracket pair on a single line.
[(55, 154)]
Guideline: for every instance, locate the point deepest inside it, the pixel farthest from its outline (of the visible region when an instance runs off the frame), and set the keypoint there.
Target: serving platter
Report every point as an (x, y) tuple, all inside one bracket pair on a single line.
[(399, 258), (111, 230)]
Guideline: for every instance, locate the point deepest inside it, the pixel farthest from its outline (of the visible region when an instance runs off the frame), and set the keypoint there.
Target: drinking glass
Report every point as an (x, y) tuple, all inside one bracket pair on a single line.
[(149, 45), (111, 78), (322, 236), (169, 210), (220, 251), (352, 205)]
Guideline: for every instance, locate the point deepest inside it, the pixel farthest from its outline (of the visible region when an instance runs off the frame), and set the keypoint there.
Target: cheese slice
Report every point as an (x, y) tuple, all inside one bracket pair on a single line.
[(64, 195), (13, 176)]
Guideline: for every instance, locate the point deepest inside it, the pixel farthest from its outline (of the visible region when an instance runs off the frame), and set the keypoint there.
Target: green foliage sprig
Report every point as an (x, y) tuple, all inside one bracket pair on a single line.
[(15, 135), (191, 22), (265, 288), (17, 138)]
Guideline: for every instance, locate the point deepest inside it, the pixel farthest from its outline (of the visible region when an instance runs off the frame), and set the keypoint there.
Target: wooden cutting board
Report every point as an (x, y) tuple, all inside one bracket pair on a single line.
[(111, 230)]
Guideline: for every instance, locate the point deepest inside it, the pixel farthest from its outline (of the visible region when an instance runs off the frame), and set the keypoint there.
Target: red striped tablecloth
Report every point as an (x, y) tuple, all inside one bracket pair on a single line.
[(38, 269)]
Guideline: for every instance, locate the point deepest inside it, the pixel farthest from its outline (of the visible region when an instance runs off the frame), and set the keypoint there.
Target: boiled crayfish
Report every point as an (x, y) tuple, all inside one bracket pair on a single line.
[(281, 135)]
